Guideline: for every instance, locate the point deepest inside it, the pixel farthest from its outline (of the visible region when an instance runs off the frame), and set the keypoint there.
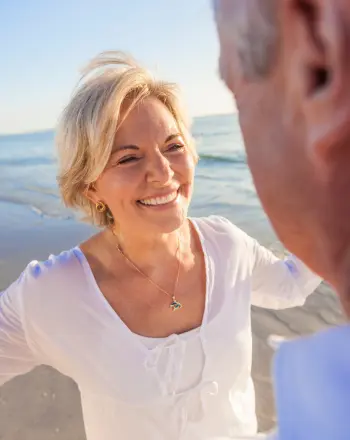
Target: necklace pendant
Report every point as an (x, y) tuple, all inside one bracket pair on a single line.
[(175, 305)]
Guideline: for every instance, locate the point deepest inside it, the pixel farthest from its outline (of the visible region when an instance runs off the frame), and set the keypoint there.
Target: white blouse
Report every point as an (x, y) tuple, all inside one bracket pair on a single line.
[(196, 385)]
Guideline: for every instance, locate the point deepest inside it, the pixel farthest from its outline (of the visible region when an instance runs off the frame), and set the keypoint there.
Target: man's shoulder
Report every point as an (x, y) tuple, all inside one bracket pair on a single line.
[(312, 386)]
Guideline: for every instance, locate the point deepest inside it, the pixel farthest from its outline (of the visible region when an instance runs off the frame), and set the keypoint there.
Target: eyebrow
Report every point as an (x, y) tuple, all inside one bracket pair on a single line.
[(125, 147), (172, 136), (135, 147)]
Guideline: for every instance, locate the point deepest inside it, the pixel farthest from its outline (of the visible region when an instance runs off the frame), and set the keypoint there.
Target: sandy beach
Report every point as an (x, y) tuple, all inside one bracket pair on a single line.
[(44, 405)]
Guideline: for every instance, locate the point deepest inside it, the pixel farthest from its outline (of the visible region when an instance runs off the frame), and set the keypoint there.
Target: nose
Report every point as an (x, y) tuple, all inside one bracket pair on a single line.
[(159, 170)]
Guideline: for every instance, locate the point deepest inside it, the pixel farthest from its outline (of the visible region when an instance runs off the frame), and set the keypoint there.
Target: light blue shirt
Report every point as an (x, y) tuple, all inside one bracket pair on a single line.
[(312, 386)]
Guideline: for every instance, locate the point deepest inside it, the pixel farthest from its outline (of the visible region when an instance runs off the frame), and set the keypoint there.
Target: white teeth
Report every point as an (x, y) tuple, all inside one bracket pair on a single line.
[(160, 200)]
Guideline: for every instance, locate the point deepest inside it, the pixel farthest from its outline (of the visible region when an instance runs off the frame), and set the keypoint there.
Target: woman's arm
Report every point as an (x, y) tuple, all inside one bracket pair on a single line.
[(279, 283), (16, 357)]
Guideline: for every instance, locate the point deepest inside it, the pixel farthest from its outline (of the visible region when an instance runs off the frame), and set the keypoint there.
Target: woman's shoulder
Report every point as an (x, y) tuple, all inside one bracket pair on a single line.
[(42, 286), (51, 274), (216, 227), (225, 243)]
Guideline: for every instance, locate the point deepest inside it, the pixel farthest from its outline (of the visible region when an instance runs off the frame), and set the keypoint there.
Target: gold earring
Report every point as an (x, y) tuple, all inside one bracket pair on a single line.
[(100, 207)]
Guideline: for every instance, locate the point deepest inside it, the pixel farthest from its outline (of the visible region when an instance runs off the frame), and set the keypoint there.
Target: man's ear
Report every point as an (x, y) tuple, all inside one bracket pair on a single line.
[(317, 37)]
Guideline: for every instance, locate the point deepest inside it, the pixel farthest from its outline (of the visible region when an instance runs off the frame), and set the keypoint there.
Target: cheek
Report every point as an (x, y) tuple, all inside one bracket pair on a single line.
[(260, 161), (117, 185), (188, 166), (180, 165)]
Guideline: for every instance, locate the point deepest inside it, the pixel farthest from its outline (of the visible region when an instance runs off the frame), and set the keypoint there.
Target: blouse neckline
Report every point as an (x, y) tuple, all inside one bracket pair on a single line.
[(138, 339)]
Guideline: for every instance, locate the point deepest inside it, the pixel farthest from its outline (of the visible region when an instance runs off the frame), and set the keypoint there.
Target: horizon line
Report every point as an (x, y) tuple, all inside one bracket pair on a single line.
[(52, 129)]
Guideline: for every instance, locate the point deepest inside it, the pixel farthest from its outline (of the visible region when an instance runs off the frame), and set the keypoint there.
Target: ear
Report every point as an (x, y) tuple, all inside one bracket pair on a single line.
[(317, 35), (91, 193)]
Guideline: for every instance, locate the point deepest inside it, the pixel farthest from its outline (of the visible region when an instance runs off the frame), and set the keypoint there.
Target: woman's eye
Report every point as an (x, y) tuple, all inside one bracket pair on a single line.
[(175, 147), (128, 159)]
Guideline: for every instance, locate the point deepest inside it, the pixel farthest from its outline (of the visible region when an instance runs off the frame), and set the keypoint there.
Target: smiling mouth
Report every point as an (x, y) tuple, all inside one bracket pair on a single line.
[(156, 201)]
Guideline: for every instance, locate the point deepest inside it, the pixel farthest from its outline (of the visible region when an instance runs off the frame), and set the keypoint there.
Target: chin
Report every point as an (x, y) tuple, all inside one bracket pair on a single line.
[(165, 224), (166, 218), (298, 240), (171, 225)]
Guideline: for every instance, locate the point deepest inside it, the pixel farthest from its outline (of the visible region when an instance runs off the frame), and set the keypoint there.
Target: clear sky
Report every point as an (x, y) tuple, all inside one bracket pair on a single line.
[(44, 43)]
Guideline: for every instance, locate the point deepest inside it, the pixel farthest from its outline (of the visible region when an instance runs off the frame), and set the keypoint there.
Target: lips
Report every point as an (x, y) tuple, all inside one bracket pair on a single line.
[(160, 200)]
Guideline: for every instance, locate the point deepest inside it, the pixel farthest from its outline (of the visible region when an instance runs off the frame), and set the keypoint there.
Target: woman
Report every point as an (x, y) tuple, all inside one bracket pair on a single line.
[(151, 316)]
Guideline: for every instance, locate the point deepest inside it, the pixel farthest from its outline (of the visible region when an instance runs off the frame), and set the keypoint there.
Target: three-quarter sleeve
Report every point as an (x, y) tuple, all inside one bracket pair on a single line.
[(16, 356), (279, 283)]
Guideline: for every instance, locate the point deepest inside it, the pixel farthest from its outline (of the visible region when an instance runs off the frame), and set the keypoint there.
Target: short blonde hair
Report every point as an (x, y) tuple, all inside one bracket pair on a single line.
[(87, 127)]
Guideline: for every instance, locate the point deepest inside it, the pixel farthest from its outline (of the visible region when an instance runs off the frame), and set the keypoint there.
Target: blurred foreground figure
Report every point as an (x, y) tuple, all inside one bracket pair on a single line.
[(287, 64)]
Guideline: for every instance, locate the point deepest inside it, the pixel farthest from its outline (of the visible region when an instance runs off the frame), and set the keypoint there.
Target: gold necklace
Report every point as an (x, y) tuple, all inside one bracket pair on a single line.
[(175, 304)]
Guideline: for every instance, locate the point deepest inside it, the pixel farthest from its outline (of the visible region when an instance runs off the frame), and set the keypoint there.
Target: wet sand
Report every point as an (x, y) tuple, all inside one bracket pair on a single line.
[(44, 405)]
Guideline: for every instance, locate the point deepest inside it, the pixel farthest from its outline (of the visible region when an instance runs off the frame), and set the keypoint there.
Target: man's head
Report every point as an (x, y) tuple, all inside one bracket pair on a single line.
[(287, 62)]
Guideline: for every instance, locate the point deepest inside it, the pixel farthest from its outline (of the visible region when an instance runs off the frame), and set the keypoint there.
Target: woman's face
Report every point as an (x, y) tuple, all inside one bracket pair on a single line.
[(148, 181)]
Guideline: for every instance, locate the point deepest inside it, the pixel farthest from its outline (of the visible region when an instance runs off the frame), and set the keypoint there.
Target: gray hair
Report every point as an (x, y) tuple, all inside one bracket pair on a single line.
[(251, 28)]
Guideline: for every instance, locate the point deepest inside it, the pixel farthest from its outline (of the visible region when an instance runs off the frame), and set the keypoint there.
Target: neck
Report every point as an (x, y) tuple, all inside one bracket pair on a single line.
[(146, 251)]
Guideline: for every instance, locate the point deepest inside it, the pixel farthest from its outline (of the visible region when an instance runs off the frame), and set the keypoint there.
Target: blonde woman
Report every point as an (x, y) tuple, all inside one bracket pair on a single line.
[(151, 316)]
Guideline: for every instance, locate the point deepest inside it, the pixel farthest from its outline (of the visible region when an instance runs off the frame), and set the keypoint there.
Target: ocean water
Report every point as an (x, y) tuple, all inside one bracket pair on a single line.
[(223, 183)]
